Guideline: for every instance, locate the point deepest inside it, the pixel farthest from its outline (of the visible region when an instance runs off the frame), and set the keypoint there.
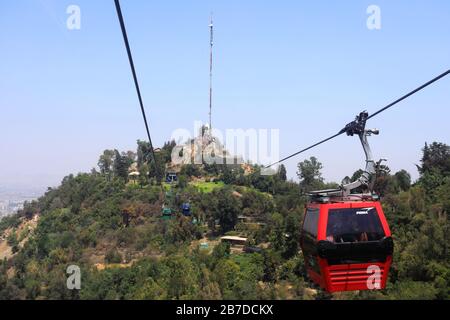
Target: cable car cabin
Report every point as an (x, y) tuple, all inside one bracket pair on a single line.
[(171, 177), (166, 213), (186, 209), (347, 245)]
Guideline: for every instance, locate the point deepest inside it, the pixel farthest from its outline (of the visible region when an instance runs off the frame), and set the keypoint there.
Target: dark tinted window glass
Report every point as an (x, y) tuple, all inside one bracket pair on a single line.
[(311, 221), (354, 225)]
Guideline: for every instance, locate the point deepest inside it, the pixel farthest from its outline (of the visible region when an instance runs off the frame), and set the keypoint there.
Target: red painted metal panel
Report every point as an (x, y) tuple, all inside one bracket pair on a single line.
[(349, 277)]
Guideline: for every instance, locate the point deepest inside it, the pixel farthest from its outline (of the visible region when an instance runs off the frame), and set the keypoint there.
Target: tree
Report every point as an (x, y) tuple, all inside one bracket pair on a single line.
[(403, 180), (167, 148), (191, 170), (157, 172), (227, 175), (277, 235), (226, 274), (212, 169), (143, 153), (105, 162), (146, 162), (293, 227), (182, 181), (113, 256), (121, 164), (309, 174), (435, 168), (417, 199), (442, 195), (151, 290), (282, 174), (385, 183), (181, 230), (131, 155), (183, 277), (412, 290), (221, 251), (227, 210), (436, 158), (271, 261), (13, 242)]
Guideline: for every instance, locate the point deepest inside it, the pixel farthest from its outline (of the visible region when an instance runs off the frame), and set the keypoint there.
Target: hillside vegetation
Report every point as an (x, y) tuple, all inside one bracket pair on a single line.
[(111, 227)]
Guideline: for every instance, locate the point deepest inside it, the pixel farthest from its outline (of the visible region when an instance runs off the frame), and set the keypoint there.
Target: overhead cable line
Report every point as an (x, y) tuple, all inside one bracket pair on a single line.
[(410, 93), (130, 58), (306, 149), (350, 126)]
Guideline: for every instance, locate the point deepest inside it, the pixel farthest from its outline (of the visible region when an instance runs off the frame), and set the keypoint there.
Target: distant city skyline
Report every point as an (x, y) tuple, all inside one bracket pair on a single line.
[(305, 68), (12, 200)]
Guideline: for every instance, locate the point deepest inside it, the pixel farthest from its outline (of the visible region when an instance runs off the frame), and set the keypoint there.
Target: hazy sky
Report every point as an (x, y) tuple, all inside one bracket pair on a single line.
[(304, 67)]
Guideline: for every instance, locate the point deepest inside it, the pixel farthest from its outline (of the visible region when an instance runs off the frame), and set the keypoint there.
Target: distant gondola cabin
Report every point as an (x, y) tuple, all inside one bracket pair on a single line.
[(186, 209), (171, 177), (166, 214)]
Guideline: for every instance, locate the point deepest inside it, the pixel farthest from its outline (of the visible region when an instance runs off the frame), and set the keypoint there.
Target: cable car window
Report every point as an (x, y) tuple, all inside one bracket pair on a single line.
[(354, 225), (311, 221)]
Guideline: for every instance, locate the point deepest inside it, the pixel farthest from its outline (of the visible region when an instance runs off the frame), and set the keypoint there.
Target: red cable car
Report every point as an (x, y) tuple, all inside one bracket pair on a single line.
[(346, 241), (347, 245)]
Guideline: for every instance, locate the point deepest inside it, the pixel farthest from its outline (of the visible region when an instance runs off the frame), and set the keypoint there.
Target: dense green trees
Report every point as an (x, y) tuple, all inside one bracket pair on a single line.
[(105, 162), (81, 222), (282, 173), (112, 162), (121, 165), (226, 210), (419, 222), (403, 179), (309, 173), (435, 159)]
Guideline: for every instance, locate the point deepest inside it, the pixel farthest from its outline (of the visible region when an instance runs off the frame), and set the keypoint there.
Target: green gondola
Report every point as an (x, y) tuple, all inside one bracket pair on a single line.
[(167, 213)]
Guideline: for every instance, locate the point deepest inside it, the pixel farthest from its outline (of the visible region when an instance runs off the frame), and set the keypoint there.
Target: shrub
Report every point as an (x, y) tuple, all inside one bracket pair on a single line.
[(113, 256)]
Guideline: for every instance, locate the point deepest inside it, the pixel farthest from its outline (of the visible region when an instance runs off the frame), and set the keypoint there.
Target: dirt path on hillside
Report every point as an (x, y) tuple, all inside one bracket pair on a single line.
[(27, 226), (5, 250)]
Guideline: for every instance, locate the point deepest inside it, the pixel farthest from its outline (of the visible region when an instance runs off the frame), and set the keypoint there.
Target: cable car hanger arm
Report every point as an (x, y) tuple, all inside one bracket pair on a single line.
[(367, 178)]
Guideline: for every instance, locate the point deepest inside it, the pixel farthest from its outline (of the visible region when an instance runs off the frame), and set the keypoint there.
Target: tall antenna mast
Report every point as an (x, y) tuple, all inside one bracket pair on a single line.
[(211, 28)]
